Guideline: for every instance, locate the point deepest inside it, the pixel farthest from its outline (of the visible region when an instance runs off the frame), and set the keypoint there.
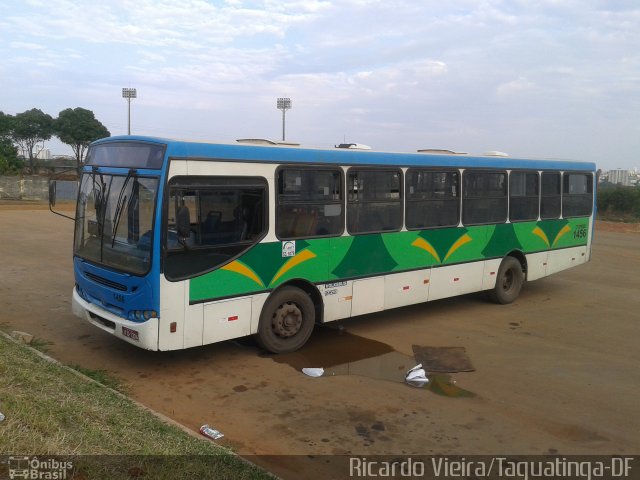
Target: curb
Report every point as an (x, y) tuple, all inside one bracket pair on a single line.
[(158, 415)]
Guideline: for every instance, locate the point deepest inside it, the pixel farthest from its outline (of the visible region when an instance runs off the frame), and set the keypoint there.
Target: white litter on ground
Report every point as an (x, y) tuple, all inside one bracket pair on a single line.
[(313, 372), (417, 377), (210, 432)]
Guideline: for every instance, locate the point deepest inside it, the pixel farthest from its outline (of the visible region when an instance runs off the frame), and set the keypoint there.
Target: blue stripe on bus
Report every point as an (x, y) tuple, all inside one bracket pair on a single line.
[(276, 154)]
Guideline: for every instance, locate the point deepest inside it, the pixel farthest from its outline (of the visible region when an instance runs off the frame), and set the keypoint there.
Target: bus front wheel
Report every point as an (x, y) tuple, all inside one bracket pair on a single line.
[(286, 321), (508, 282)]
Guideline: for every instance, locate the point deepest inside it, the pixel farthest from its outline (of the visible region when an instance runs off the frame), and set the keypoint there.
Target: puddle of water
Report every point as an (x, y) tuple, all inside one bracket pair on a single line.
[(443, 359), (329, 346), (393, 367), (343, 353)]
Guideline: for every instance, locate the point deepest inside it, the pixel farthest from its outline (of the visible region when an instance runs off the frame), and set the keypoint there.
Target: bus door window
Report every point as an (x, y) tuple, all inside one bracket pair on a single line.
[(178, 199)]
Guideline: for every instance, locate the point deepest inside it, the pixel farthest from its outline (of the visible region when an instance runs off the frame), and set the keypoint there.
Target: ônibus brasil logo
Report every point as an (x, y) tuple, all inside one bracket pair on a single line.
[(39, 469)]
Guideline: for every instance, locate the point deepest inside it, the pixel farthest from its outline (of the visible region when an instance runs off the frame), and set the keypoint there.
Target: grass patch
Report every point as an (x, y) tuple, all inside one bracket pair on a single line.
[(40, 344), (51, 411), (103, 377)]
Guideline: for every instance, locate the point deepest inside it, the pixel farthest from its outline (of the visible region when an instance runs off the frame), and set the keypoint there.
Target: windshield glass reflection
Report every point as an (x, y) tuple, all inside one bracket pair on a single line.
[(114, 220)]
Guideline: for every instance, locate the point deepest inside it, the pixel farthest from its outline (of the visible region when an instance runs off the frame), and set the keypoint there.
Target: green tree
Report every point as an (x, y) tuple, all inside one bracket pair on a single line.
[(30, 128), (619, 202), (6, 124), (9, 162), (78, 127)]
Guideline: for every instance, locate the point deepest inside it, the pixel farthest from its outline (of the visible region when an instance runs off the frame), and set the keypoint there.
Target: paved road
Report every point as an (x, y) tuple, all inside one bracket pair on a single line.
[(556, 371)]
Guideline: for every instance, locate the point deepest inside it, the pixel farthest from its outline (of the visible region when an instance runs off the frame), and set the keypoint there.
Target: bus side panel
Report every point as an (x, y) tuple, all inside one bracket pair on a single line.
[(257, 302), (453, 280), (193, 325), (566, 258), (173, 298), (368, 296), (537, 265), (490, 273), (590, 236), (337, 298), (227, 319), (406, 288)]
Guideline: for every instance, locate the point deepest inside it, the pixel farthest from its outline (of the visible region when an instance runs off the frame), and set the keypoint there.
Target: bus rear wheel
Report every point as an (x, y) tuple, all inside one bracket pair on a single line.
[(286, 321), (508, 282)]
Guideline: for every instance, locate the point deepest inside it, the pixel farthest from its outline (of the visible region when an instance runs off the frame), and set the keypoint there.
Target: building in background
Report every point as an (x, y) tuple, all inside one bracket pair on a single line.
[(619, 177), (44, 154)]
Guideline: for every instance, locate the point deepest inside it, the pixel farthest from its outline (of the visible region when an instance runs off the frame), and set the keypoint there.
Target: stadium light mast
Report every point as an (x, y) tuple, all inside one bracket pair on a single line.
[(283, 104), (129, 93)]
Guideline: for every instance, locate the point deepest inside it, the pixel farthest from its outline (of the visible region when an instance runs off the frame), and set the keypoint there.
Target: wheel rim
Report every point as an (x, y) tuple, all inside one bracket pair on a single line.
[(287, 320), (508, 280)]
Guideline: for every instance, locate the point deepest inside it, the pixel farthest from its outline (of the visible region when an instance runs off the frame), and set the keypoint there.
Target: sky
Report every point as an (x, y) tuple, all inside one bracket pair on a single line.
[(543, 79)]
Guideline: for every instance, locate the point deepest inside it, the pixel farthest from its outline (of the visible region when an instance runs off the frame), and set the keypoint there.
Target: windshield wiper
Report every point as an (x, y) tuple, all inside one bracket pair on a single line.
[(120, 204), (99, 198)]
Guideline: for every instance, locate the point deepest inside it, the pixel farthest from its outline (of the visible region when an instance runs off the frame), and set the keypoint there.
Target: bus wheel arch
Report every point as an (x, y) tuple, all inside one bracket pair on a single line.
[(520, 256), (313, 292), (510, 279), (288, 317)]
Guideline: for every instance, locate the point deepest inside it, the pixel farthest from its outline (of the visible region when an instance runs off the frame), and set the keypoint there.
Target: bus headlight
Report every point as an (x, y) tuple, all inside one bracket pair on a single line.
[(141, 315)]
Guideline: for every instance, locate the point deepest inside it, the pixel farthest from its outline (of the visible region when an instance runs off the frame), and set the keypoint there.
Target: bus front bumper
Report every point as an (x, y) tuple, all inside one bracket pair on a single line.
[(141, 334)]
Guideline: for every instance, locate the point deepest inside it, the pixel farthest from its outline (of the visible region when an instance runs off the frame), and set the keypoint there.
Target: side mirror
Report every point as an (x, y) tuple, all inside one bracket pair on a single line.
[(52, 193), (183, 222), (52, 198)]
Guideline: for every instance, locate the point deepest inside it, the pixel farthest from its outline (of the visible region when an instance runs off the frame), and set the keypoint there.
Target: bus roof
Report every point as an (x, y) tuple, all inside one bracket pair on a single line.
[(343, 156)]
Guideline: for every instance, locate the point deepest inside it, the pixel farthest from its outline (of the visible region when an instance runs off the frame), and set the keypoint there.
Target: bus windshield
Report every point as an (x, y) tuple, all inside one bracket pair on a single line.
[(114, 220)]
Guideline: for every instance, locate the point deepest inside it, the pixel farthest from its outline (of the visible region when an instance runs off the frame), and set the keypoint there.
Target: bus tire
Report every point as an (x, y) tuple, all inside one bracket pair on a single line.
[(286, 321), (508, 282)]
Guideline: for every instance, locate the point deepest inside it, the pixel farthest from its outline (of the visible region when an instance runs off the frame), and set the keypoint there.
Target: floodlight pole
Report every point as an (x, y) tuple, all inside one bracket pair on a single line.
[(283, 104), (129, 93)]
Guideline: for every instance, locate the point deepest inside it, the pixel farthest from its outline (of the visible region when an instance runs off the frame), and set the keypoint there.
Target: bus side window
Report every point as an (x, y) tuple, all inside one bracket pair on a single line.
[(550, 195), (310, 202), (433, 198), (227, 218), (484, 197), (374, 202), (577, 196), (523, 196)]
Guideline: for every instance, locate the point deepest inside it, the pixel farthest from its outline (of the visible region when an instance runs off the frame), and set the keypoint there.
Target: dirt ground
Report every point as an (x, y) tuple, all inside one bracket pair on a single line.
[(556, 371)]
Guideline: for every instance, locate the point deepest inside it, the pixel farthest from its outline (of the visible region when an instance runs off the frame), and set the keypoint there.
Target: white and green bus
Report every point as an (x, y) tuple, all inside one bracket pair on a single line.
[(180, 244)]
